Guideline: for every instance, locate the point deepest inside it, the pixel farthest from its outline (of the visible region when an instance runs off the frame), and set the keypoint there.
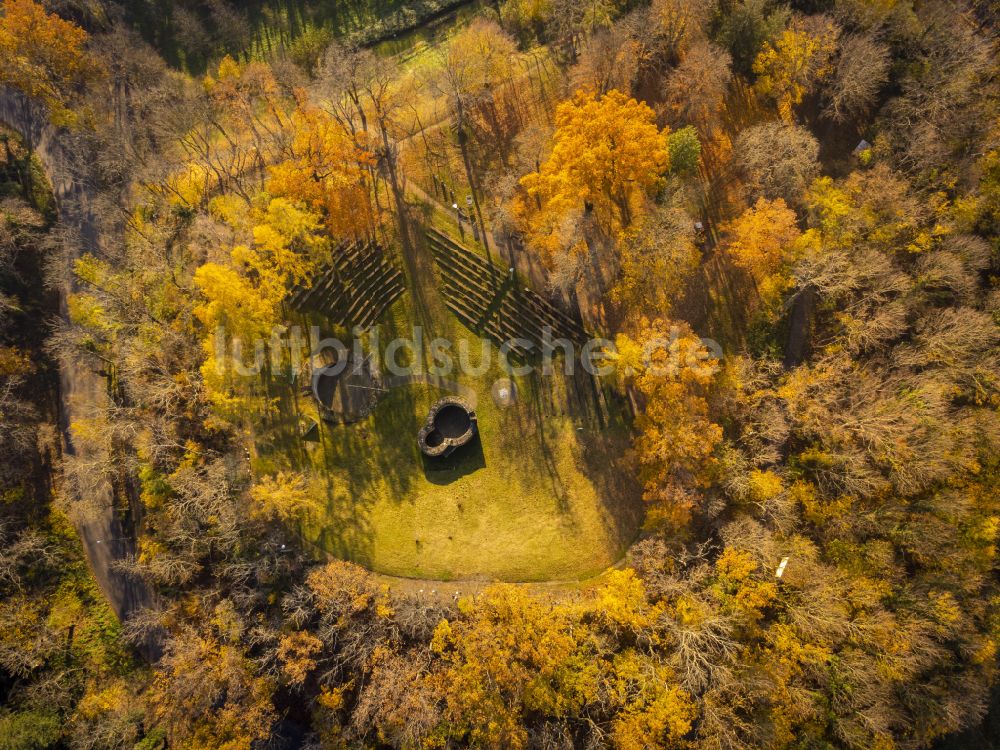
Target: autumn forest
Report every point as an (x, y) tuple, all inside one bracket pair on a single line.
[(503, 374)]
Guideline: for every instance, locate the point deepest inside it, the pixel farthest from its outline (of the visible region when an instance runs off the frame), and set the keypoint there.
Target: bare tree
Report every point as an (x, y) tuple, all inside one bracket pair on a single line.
[(363, 94), (941, 113), (610, 59), (695, 91), (862, 72), (777, 160)]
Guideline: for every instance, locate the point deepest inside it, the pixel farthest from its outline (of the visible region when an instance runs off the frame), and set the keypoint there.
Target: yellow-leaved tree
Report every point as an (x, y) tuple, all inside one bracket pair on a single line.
[(242, 298), (207, 693), (509, 653), (799, 59), (285, 496)]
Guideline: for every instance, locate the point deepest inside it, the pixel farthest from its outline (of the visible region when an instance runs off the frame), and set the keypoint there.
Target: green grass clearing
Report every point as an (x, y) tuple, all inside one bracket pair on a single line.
[(541, 495)]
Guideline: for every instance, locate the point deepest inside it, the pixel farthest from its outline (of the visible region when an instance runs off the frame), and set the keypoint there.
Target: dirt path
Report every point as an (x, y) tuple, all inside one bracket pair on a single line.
[(444, 593), (83, 392)]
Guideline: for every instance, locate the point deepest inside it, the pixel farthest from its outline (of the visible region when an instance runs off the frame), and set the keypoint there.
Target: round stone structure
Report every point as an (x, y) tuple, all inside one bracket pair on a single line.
[(451, 423), (348, 393)]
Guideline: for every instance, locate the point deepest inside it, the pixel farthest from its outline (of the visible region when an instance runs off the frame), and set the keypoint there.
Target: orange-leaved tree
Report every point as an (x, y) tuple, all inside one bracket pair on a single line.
[(325, 169), (672, 370), (607, 155), (44, 56), (763, 241)]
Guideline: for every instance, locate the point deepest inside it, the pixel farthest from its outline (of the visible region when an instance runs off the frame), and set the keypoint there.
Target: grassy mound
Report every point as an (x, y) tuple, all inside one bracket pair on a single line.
[(539, 495)]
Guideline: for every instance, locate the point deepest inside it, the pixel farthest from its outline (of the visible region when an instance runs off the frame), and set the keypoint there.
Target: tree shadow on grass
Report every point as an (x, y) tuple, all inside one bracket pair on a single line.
[(607, 465), (350, 466), (356, 461), (602, 435), (606, 459), (535, 404)]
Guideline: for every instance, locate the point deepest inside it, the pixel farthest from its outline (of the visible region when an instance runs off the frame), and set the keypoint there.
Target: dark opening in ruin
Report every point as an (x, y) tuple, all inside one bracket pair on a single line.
[(451, 421)]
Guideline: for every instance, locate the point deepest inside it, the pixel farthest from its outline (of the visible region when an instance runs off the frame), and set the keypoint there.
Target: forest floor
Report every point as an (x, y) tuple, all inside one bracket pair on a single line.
[(105, 538)]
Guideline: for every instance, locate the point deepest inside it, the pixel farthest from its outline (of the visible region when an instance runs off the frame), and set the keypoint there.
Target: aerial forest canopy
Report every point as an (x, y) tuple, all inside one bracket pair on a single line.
[(541, 374)]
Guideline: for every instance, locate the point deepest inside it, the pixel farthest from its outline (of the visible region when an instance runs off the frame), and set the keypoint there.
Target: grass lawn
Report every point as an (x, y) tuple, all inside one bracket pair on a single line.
[(543, 494)]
